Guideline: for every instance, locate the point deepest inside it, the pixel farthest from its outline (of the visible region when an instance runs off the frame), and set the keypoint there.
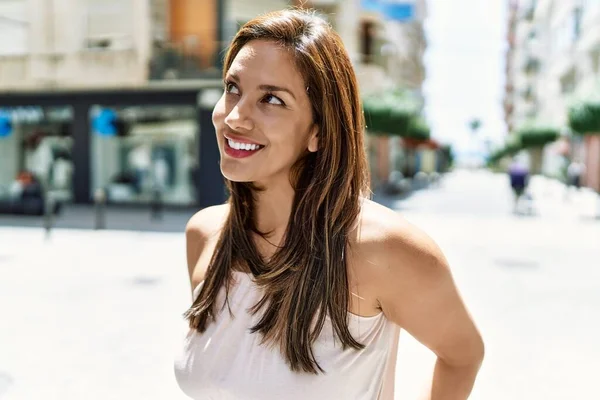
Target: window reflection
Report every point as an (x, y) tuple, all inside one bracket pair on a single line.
[(152, 149)]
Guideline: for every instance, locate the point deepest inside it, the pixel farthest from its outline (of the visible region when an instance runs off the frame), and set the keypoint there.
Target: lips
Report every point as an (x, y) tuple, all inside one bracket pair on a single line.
[(239, 145), (240, 148)]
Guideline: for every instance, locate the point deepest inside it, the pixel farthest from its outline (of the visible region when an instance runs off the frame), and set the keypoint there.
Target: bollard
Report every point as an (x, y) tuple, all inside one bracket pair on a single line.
[(156, 208), (100, 209), (48, 215)]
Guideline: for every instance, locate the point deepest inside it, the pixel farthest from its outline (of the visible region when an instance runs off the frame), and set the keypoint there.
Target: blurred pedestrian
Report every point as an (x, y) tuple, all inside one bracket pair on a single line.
[(519, 178), (574, 172), (300, 283)]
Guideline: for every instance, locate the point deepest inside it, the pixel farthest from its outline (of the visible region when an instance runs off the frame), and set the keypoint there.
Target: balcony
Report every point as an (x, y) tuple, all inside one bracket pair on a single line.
[(83, 69), (528, 10), (531, 65), (175, 61), (528, 94), (529, 13)]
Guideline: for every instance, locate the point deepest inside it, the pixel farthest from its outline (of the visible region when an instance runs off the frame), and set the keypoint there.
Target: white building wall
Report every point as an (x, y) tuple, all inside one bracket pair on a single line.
[(569, 64), (13, 28), (238, 12), (60, 36)]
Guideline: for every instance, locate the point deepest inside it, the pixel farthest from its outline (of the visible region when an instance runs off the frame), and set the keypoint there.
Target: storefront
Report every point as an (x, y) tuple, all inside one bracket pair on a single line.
[(131, 143), (36, 142), (151, 150)]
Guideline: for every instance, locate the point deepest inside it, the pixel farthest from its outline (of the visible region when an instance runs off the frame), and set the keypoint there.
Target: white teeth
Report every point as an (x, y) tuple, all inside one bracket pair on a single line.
[(242, 146)]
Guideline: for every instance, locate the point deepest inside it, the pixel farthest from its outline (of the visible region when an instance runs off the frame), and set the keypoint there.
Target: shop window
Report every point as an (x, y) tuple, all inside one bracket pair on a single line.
[(145, 151), (36, 154)]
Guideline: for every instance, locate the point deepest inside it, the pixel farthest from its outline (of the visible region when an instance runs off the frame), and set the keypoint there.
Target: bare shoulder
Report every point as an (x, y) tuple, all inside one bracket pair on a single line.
[(389, 237), (202, 233), (414, 287), (398, 259), (208, 221)]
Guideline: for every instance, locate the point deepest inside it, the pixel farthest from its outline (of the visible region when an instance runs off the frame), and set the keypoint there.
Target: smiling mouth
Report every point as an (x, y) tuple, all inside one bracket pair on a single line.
[(243, 146)]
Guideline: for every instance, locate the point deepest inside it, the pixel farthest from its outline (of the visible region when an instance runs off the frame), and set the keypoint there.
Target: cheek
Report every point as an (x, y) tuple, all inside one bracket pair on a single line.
[(288, 139), (218, 114)]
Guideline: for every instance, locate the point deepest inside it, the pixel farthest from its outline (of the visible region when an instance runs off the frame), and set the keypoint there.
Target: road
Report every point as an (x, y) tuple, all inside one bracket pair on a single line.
[(96, 314)]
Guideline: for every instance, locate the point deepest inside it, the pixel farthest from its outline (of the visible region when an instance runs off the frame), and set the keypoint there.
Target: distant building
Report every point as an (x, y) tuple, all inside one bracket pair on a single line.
[(554, 58), (510, 76), (109, 90)]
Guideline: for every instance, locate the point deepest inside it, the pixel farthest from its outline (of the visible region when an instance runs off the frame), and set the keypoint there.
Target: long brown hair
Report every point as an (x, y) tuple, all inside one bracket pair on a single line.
[(306, 279)]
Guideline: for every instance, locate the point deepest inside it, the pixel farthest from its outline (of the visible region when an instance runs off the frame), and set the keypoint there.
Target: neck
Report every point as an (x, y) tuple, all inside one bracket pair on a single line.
[(273, 207)]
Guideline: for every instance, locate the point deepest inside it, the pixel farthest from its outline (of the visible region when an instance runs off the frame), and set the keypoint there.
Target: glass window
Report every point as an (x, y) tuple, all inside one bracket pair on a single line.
[(35, 149), (142, 152)]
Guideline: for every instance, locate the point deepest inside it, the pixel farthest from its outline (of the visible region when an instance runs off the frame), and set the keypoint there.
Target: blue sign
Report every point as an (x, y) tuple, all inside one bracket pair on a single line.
[(5, 124), (396, 10), (104, 123), (402, 12)]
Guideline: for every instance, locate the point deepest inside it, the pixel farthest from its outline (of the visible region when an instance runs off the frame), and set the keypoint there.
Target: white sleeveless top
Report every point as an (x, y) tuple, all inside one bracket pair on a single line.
[(228, 362)]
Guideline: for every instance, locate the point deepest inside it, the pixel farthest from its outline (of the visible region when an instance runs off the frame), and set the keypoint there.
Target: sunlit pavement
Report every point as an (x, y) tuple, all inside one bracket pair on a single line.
[(96, 314)]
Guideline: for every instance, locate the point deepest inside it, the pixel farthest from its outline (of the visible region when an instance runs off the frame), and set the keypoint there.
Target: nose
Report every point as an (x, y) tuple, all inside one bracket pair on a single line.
[(239, 118)]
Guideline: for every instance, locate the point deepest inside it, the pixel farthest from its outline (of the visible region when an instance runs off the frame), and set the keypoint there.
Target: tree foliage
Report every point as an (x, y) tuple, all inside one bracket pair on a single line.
[(511, 147), (584, 117), (418, 129), (475, 124), (537, 136), (391, 114)]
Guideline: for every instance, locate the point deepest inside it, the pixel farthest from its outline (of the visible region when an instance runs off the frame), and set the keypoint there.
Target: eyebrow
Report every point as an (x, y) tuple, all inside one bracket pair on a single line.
[(267, 88)]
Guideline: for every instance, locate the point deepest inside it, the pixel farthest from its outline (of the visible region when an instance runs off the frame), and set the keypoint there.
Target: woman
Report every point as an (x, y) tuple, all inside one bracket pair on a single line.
[(300, 283)]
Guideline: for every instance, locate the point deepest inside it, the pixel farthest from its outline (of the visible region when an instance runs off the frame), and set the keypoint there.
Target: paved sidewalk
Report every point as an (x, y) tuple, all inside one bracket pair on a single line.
[(96, 315), (117, 218), (90, 315), (552, 198)]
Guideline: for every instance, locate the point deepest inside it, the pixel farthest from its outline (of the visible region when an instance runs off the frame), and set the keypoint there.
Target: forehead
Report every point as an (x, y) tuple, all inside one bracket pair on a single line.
[(267, 62)]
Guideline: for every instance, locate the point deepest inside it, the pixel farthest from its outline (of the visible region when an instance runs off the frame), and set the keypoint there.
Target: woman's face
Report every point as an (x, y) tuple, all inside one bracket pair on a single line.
[(264, 121)]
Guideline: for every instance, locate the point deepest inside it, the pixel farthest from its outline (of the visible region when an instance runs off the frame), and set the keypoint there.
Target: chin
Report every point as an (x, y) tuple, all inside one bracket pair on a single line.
[(236, 174)]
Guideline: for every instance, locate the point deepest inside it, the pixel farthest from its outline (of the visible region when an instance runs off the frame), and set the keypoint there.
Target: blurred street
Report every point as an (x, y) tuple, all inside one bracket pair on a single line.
[(108, 146), (96, 314)]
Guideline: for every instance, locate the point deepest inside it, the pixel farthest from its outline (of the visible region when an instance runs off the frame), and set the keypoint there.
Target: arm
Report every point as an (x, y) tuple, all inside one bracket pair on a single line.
[(194, 243), (201, 234), (418, 293)]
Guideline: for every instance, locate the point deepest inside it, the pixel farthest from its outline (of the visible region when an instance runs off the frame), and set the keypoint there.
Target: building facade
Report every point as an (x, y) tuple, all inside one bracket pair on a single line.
[(115, 95), (407, 43), (509, 71), (553, 60), (554, 57)]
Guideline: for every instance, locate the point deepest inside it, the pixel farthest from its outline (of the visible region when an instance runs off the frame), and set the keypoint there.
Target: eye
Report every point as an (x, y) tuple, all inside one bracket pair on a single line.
[(231, 88), (274, 100)]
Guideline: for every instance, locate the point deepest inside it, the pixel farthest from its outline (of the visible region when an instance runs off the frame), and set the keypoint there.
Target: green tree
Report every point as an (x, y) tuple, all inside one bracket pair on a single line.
[(475, 125)]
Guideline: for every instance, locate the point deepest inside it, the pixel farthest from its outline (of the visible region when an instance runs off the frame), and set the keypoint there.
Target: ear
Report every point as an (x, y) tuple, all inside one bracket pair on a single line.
[(313, 140)]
